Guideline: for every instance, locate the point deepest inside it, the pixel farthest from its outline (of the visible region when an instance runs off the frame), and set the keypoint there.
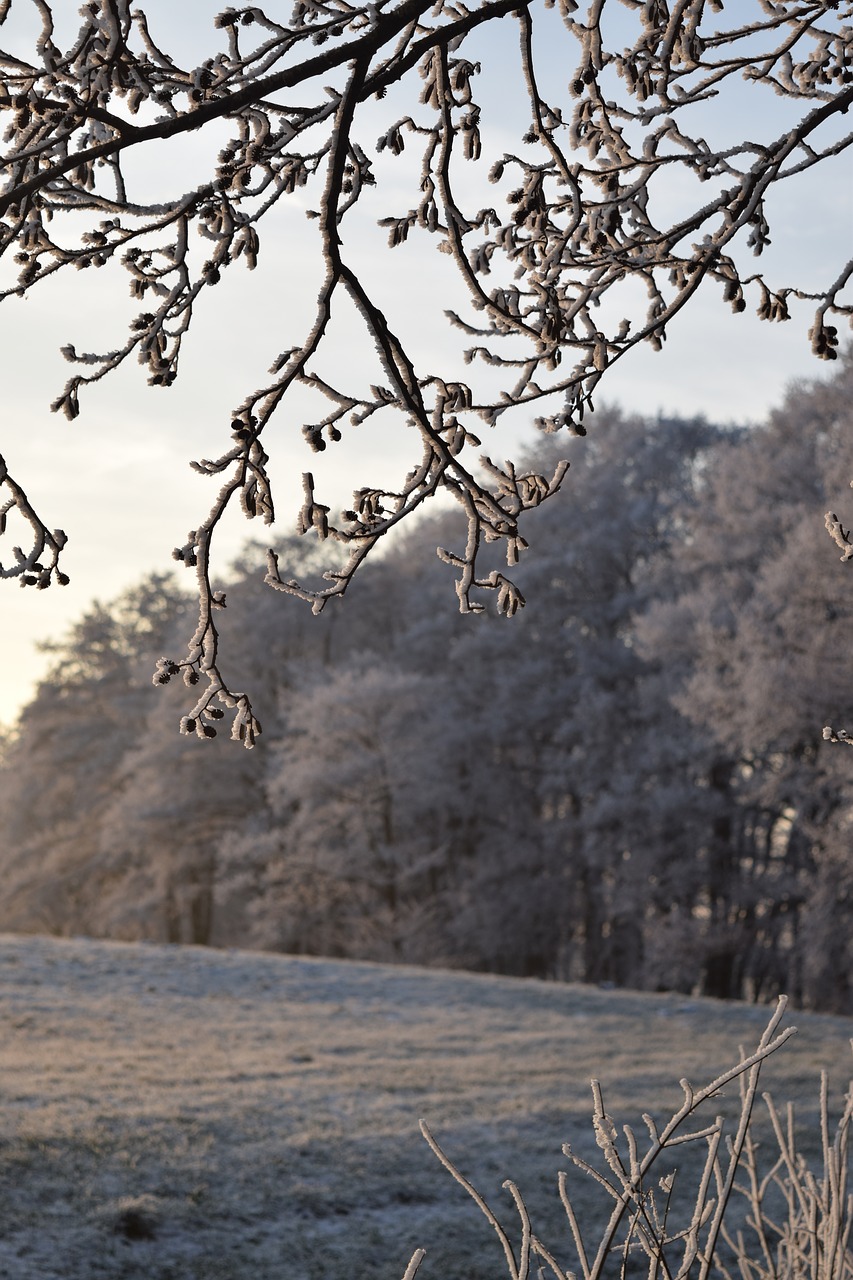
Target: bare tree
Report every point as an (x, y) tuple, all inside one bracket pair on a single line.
[(550, 278)]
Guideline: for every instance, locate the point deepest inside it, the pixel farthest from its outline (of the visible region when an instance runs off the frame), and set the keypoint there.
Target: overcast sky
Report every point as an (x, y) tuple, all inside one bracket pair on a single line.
[(118, 481)]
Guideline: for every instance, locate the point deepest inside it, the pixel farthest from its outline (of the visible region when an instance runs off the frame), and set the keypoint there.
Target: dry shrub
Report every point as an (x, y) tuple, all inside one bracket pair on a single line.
[(718, 1214)]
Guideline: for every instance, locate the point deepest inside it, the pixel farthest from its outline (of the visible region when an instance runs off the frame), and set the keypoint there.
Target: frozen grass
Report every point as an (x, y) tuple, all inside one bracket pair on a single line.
[(186, 1114)]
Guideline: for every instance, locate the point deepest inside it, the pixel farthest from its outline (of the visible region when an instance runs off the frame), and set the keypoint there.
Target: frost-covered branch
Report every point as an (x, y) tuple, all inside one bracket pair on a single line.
[(575, 214), (40, 565)]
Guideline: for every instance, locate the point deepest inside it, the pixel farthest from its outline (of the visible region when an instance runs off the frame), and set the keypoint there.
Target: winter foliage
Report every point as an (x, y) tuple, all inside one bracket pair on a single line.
[(625, 784), (571, 233)]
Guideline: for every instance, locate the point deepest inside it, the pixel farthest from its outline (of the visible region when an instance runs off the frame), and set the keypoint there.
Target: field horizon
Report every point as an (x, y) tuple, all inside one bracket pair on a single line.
[(176, 1113)]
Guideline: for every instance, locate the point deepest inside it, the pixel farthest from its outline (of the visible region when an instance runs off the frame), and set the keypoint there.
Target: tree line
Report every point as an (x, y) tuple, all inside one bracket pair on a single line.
[(624, 783)]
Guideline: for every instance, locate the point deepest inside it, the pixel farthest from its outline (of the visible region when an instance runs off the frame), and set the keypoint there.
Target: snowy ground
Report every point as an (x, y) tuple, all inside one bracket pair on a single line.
[(187, 1114)]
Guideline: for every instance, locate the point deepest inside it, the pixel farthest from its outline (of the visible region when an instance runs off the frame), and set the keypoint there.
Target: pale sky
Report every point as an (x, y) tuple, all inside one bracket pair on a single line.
[(117, 479)]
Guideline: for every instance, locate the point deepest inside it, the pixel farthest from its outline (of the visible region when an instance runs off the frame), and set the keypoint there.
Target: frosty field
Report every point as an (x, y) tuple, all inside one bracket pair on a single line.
[(188, 1114)]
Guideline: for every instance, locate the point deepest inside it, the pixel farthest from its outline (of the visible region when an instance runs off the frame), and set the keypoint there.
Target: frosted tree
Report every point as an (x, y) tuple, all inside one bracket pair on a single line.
[(550, 822), (755, 670), (354, 850), (61, 771), (320, 105), (109, 823)]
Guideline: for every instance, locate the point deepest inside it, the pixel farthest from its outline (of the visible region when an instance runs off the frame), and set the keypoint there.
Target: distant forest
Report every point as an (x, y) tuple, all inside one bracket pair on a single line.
[(624, 783)]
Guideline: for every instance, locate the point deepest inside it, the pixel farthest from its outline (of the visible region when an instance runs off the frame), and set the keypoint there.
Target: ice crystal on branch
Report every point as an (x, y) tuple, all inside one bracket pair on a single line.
[(575, 217), (39, 566)]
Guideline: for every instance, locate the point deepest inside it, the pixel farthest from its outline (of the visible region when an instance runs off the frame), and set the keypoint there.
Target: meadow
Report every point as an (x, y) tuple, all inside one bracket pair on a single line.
[(182, 1113)]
